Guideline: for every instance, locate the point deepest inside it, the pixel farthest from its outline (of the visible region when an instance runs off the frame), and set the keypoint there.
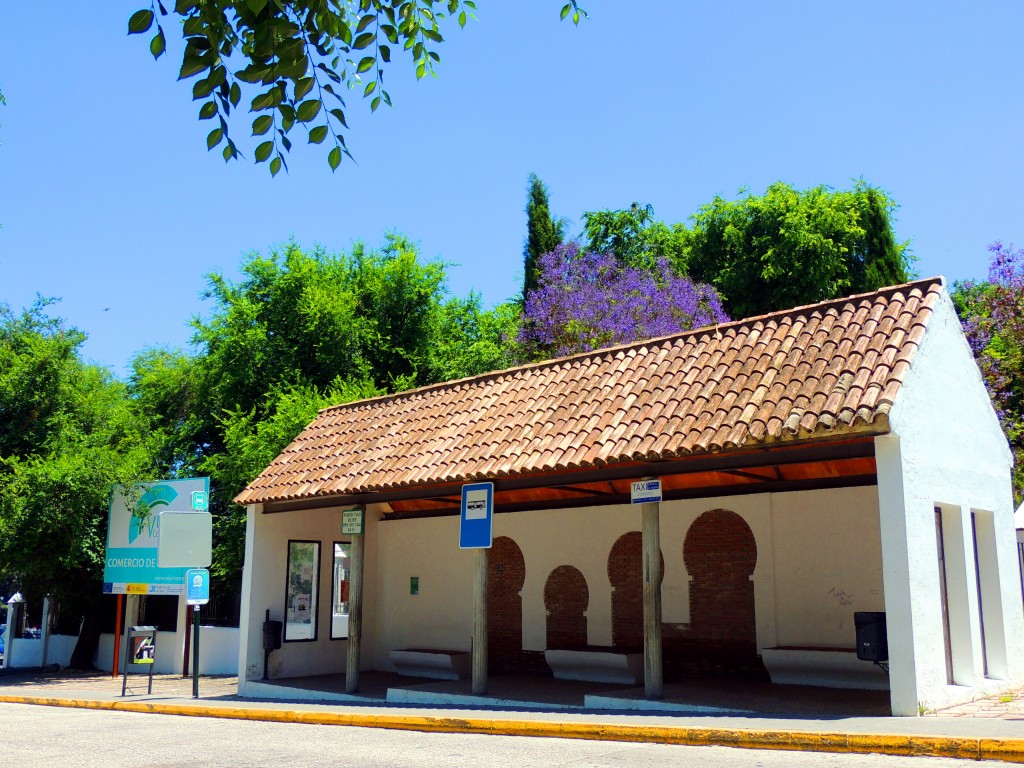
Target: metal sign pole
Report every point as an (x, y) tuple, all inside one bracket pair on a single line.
[(480, 624), (189, 610), (195, 654), (197, 592)]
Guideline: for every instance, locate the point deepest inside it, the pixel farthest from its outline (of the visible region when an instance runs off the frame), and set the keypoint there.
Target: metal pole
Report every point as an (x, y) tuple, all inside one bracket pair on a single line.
[(480, 624), (651, 536), (117, 633), (189, 613), (195, 654), (355, 616)]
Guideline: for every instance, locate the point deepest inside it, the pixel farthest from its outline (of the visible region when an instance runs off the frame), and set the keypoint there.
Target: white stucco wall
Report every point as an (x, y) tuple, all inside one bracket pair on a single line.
[(829, 555), (263, 587), (818, 561), (1020, 555), (946, 448)]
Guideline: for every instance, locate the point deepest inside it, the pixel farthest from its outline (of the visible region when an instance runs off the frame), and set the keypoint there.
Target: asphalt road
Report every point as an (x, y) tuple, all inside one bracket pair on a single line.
[(52, 736)]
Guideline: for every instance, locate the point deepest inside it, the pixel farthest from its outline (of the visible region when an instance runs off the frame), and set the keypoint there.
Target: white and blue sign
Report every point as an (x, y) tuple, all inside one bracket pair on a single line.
[(133, 536), (477, 514), (197, 586), (644, 491)]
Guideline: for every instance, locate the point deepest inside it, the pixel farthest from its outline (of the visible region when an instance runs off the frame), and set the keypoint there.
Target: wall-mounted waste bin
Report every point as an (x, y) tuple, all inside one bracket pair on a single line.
[(272, 635), (272, 630), (872, 641)]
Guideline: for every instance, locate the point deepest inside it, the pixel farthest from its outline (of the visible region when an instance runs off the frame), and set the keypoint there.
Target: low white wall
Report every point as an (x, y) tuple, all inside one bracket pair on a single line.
[(28, 651), (24, 652), (60, 649), (218, 652)]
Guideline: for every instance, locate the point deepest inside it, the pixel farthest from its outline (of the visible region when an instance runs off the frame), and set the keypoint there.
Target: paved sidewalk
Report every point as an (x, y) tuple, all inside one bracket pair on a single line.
[(1008, 705), (991, 728)]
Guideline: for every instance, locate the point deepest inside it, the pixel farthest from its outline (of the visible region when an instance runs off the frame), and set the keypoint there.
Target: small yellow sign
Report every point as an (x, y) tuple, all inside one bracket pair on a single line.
[(138, 589)]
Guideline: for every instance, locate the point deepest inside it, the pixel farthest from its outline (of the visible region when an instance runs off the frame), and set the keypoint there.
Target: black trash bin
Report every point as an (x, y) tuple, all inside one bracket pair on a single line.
[(872, 641), (271, 635)]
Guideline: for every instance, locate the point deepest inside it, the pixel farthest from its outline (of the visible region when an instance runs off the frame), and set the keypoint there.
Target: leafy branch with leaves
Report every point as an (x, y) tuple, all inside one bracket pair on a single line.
[(297, 57)]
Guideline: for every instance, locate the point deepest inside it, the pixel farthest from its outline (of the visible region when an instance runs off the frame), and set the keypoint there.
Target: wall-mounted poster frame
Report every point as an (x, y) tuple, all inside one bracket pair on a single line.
[(302, 591), (340, 579)]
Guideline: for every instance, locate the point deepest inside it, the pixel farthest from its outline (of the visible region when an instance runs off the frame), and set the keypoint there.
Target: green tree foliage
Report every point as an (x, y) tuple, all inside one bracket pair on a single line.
[(293, 61), (544, 233), (885, 261), (68, 432), (636, 238), (301, 331), (789, 247)]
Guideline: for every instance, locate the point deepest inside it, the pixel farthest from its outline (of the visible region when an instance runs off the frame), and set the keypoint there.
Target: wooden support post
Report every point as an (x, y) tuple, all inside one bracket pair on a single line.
[(651, 535), (355, 615), (480, 624)]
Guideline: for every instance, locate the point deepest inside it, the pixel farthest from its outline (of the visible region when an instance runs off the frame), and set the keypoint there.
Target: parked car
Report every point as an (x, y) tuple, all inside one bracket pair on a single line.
[(3, 632)]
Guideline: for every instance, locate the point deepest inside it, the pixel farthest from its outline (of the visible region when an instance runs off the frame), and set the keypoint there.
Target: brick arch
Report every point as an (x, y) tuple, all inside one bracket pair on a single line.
[(566, 598), (506, 574), (625, 572), (720, 553)]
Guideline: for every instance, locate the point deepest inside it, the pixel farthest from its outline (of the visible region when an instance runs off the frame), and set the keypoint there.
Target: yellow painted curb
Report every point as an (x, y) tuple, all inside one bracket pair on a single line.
[(1006, 750)]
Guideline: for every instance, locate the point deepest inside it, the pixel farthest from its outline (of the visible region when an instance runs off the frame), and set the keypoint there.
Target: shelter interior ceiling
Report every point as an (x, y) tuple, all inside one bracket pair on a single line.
[(830, 464)]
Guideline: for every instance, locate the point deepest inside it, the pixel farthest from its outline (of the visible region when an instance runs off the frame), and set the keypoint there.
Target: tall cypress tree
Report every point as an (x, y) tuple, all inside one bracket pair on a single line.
[(544, 233), (885, 261)]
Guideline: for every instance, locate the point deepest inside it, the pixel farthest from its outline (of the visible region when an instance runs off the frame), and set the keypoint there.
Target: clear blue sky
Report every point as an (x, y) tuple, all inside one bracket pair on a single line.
[(108, 198)]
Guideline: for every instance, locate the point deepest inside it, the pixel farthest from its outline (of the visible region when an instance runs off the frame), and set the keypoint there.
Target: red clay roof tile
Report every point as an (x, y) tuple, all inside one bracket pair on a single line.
[(799, 374)]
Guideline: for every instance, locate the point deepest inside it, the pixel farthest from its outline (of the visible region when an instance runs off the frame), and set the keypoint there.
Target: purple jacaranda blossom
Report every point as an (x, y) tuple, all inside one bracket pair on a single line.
[(585, 301), (995, 333)]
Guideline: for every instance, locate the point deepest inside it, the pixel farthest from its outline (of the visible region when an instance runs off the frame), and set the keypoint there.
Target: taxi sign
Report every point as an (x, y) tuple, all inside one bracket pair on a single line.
[(644, 491)]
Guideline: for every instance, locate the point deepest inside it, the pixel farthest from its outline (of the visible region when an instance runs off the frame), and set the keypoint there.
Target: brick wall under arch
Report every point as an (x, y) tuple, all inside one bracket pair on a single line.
[(566, 598), (506, 574), (625, 572), (720, 554)]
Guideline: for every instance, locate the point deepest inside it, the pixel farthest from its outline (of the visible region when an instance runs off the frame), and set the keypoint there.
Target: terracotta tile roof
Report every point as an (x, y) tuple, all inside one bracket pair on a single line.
[(830, 368)]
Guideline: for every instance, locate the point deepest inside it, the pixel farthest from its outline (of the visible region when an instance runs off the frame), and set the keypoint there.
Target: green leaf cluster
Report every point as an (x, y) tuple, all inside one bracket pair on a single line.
[(636, 238), (293, 61)]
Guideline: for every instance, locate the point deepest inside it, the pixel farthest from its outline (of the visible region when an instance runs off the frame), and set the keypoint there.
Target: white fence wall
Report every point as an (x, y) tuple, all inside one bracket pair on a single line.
[(218, 652)]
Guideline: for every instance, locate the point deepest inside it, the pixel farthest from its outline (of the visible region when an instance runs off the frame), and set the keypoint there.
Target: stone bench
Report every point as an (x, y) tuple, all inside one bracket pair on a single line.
[(598, 665), (432, 663), (822, 667)]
